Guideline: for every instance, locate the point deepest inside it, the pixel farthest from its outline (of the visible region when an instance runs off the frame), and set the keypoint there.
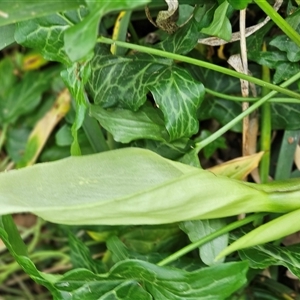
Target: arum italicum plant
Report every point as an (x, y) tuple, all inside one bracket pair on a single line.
[(136, 186), (133, 186)]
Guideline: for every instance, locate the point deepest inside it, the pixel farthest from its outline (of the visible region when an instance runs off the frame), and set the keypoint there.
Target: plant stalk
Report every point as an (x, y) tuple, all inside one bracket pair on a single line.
[(266, 129), (237, 119)]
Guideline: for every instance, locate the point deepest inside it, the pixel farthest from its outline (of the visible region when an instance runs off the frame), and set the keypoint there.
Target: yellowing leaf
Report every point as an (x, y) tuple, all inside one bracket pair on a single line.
[(238, 168), (33, 61), (43, 129)]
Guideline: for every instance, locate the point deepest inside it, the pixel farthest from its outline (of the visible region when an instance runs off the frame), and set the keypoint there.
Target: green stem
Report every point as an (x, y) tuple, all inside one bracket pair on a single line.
[(200, 63), (266, 129), (209, 238), (279, 21), (249, 99), (36, 235), (240, 117)]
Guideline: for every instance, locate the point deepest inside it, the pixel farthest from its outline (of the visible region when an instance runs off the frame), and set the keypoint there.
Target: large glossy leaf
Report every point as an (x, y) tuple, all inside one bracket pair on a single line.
[(263, 256), (15, 11), (133, 186), (46, 34), (135, 279), (125, 82)]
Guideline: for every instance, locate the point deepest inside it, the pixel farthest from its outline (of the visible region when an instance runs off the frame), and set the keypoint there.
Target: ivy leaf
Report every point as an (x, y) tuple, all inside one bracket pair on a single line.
[(126, 125), (184, 39), (275, 60), (221, 110), (46, 34), (220, 25), (80, 39), (285, 70), (179, 96), (285, 44), (285, 116), (263, 256), (81, 256), (15, 11), (136, 279), (125, 82), (122, 81)]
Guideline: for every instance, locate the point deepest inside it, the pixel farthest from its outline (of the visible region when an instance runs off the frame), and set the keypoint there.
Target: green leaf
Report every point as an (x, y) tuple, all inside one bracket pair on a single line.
[(285, 44), (80, 40), (263, 256), (26, 95), (271, 59), (174, 90), (221, 110), (7, 35), (81, 256), (46, 34), (209, 150), (198, 229), (8, 78), (239, 4), (179, 96), (149, 187), (135, 279), (275, 60), (220, 26), (16, 11), (122, 81), (126, 125), (285, 116), (285, 70), (75, 77), (11, 238), (172, 150), (183, 41), (117, 248), (152, 239), (16, 140), (80, 284), (273, 230)]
